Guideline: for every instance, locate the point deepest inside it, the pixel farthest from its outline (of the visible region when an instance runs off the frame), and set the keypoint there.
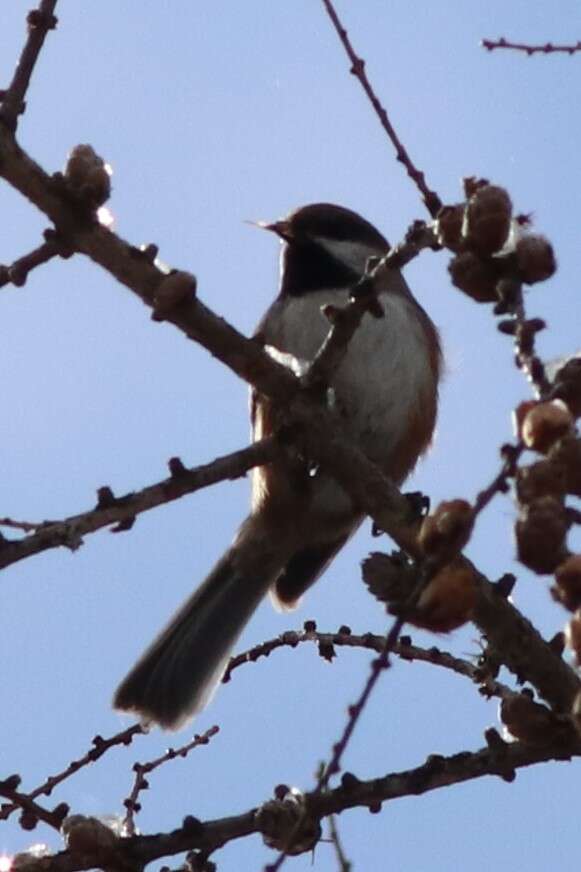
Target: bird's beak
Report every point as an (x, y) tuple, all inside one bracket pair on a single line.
[(281, 228)]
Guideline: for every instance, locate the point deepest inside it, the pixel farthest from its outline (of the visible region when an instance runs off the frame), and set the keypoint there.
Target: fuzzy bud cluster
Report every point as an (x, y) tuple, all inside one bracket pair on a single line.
[(448, 600), (543, 424), (566, 454), (487, 219), (446, 531), (88, 176), (541, 532), (491, 246), (567, 587), (535, 259), (541, 529), (567, 385)]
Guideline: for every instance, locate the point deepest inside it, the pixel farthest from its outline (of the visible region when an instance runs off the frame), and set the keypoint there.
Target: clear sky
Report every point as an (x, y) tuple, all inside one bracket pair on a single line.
[(212, 113)]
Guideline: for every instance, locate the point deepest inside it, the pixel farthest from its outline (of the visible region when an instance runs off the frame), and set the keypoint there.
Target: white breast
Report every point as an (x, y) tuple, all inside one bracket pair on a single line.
[(386, 370)]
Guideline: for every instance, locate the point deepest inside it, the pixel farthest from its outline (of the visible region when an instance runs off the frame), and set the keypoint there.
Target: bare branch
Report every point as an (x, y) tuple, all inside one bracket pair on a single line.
[(520, 647), (17, 273), (32, 812), (100, 747), (344, 638), (499, 758), (343, 863), (142, 769), (23, 526), (545, 48), (430, 198), (123, 510), (39, 22), (133, 268)]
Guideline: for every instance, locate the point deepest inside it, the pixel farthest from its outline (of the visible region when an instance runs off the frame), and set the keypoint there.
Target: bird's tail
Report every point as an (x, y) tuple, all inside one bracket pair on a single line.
[(178, 673)]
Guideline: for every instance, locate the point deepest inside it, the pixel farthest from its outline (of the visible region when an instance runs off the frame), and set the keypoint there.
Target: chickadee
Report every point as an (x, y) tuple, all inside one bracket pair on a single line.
[(385, 392)]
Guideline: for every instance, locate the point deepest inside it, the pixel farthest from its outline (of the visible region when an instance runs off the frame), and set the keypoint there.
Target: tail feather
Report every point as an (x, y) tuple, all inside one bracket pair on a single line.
[(178, 673)]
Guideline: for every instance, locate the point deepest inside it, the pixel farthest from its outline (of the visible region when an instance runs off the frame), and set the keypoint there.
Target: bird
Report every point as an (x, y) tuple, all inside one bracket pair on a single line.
[(385, 396)]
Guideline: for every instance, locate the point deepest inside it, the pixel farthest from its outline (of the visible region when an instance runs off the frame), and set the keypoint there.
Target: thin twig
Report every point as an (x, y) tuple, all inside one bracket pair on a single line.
[(100, 747), (498, 759), (527, 48), (32, 812), (17, 273), (142, 769), (122, 511), (39, 22), (344, 638), (430, 198), (23, 526), (343, 862)]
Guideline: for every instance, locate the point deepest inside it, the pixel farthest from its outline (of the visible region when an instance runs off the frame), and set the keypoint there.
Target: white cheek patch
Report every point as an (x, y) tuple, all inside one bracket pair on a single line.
[(354, 254)]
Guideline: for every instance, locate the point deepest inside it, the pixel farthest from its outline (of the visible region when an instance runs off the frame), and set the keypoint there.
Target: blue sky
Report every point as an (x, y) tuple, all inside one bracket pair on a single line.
[(211, 114)]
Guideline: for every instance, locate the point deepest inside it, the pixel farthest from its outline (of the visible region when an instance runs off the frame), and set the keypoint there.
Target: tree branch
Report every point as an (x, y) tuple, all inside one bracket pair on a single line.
[(520, 647), (122, 511), (344, 638), (17, 273), (142, 769), (527, 48), (499, 759), (100, 747), (430, 198), (39, 21)]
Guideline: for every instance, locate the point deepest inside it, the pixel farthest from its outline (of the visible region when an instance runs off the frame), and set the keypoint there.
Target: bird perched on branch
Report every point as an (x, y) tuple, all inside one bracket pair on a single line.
[(385, 395)]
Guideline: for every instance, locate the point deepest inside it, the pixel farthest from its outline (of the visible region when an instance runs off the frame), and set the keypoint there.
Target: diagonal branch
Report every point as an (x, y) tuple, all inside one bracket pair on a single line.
[(123, 510), (320, 432), (521, 648), (431, 199), (100, 747), (39, 22), (17, 272)]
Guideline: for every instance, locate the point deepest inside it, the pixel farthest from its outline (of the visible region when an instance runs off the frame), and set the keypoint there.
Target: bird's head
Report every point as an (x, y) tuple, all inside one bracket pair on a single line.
[(324, 247)]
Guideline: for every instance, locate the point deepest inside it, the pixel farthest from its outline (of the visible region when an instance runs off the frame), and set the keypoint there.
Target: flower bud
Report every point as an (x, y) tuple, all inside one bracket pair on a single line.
[(449, 225), (389, 577), (544, 424), (567, 385), (567, 589), (475, 277), (448, 600), (446, 530), (487, 219), (174, 289), (519, 414), (88, 175), (567, 454), (541, 479), (535, 259), (540, 532)]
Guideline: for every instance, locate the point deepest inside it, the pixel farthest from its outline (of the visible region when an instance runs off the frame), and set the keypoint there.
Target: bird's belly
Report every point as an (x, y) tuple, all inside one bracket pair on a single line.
[(385, 378)]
